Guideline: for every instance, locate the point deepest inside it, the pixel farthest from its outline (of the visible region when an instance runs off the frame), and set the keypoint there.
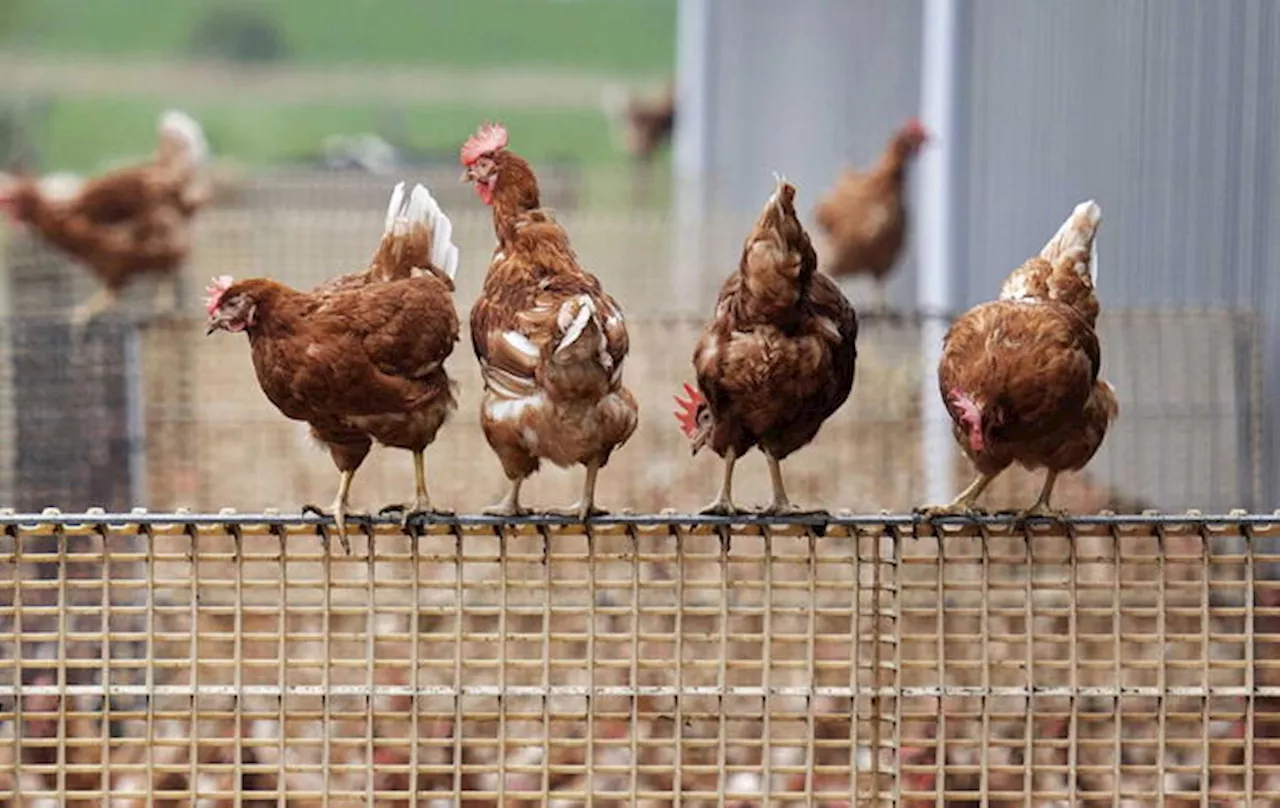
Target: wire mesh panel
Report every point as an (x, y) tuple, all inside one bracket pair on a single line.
[(644, 661)]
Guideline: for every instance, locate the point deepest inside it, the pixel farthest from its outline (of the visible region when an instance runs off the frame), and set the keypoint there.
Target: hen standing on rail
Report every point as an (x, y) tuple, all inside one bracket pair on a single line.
[(360, 359), (131, 221), (865, 214), (550, 342), (1019, 375), (778, 358)]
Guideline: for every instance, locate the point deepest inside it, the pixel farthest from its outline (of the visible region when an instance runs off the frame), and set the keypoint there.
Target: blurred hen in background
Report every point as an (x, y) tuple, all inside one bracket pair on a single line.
[(129, 222)]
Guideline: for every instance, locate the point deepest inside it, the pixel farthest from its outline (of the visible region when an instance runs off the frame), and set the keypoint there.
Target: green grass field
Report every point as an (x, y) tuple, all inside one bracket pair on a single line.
[(626, 37), (628, 40), (79, 132)]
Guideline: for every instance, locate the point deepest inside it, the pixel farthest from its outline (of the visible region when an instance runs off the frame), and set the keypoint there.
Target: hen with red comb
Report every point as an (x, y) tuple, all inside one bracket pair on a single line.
[(550, 341), (488, 139), (502, 179), (776, 360)]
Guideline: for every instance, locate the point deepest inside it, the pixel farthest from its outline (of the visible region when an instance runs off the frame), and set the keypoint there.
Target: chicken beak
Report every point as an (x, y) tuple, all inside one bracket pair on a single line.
[(216, 323), (466, 177)]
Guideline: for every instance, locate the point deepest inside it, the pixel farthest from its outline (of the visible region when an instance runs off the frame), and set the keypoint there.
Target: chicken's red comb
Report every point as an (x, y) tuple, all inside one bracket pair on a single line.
[(215, 290), (687, 415), (914, 127), (489, 138)]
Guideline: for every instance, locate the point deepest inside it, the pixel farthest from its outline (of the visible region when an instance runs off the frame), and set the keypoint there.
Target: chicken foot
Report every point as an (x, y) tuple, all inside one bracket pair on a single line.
[(510, 504), (723, 505), (1041, 506), (339, 511), (421, 504), (962, 505), (585, 507), (782, 505)]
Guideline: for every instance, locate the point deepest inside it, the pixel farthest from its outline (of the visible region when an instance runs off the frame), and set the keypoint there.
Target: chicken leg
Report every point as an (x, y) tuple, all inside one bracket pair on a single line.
[(1041, 506), (880, 305), (584, 507), (167, 294), (339, 509), (510, 504), (723, 505), (104, 299), (781, 504), (421, 499), (963, 504)]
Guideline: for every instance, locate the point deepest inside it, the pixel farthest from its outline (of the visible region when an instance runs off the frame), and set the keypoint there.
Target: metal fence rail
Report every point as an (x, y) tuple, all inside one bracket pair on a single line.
[(230, 659)]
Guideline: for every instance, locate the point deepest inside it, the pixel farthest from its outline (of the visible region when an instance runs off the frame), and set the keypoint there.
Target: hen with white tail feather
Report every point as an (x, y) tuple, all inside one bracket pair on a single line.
[(361, 358), (1020, 375), (551, 345)]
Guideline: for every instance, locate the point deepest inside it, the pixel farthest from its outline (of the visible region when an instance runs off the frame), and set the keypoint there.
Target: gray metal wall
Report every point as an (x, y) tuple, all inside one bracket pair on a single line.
[(1162, 110)]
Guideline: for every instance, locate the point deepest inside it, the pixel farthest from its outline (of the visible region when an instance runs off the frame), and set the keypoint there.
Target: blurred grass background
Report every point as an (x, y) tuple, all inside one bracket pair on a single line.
[(264, 77)]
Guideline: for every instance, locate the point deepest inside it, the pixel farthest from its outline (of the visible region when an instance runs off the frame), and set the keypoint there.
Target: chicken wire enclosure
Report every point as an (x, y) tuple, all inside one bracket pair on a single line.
[(648, 661)]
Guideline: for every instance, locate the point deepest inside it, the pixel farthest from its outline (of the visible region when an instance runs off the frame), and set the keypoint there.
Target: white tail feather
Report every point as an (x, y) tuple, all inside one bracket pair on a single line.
[(394, 207), (1093, 262), (1078, 232), (422, 208), (420, 205), (187, 129)]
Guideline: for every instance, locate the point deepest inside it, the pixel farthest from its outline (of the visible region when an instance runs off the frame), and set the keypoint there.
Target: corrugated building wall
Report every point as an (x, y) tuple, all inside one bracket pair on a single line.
[(1162, 110)]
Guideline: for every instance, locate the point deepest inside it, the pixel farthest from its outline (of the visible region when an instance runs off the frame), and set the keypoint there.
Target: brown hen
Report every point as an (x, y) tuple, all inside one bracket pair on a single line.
[(865, 215), (777, 359), (642, 125), (1019, 375), (132, 221), (362, 360), (550, 342)]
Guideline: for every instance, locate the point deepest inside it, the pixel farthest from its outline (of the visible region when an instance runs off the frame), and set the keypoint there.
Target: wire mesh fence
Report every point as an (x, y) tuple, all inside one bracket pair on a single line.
[(650, 660)]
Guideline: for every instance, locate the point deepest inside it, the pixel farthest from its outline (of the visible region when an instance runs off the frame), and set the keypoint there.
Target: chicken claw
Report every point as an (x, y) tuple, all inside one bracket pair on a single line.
[(1041, 506), (1041, 509), (510, 504), (578, 510), (421, 505), (722, 506), (584, 508), (410, 510), (951, 509), (339, 514)]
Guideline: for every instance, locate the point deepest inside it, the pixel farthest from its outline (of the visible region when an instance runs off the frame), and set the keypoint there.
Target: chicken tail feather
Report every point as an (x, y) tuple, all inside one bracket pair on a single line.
[(1078, 232), (421, 209), (395, 206), (182, 127)]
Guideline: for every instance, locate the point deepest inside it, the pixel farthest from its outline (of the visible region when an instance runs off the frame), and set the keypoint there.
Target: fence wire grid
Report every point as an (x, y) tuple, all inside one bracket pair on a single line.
[(228, 659)]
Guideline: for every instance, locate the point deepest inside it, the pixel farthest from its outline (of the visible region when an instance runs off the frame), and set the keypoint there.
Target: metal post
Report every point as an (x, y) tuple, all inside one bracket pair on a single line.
[(936, 229), (691, 149), (135, 417)]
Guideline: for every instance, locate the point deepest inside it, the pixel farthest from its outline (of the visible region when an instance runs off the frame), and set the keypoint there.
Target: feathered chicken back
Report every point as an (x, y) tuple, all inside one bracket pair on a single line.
[(778, 357), (1020, 375)]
